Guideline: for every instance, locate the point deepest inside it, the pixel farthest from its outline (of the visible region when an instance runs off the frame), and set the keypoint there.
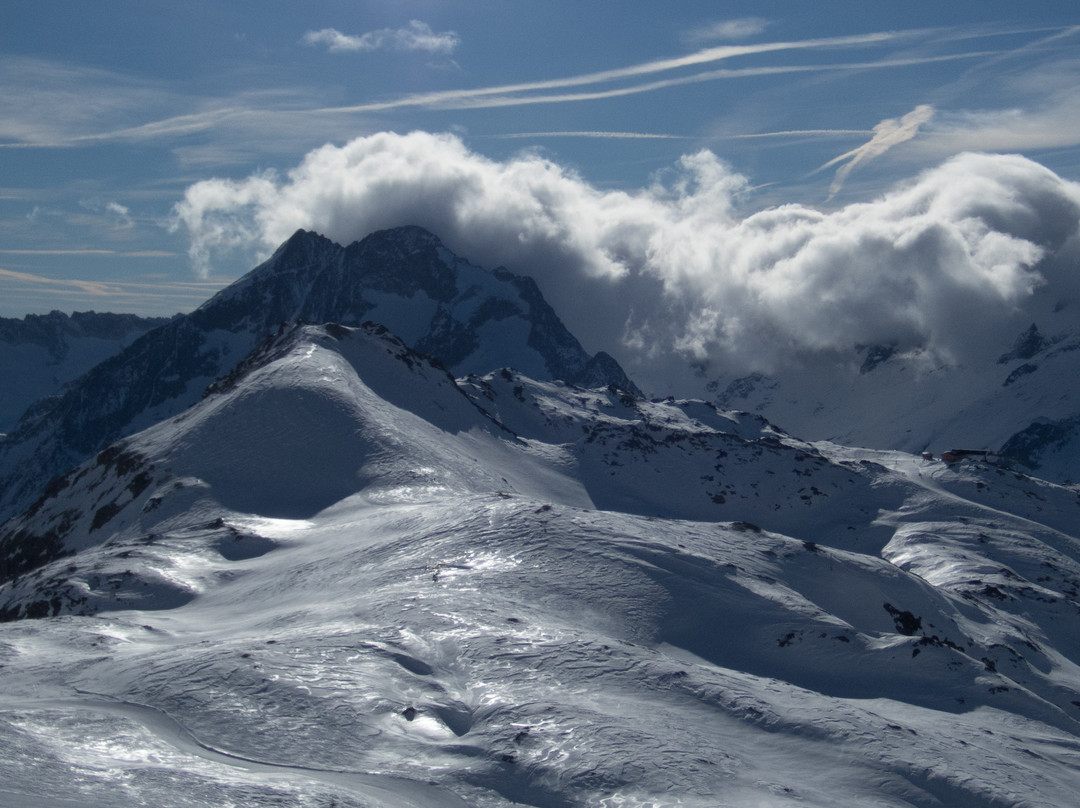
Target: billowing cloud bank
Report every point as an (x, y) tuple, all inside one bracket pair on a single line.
[(935, 263)]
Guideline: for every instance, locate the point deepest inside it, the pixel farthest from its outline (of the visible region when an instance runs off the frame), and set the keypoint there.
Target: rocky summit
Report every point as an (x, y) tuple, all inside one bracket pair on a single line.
[(468, 318)]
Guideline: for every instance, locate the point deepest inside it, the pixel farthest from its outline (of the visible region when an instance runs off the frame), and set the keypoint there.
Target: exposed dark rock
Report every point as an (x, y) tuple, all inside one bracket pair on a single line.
[(1027, 344), (1041, 437), (906, 622), (1025, 369), (875, 355)]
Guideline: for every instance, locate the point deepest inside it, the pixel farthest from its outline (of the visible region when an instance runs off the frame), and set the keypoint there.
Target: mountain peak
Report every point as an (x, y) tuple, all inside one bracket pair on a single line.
[(301, 245), (1028, 343), (468, 318), (407, 236), (471, 319)]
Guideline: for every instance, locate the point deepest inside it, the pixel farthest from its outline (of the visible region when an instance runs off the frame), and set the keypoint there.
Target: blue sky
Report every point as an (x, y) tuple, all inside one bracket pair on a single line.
[(151, 152)]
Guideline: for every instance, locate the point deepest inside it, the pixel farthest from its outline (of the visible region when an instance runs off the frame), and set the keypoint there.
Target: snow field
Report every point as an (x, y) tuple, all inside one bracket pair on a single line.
[(386, 596)]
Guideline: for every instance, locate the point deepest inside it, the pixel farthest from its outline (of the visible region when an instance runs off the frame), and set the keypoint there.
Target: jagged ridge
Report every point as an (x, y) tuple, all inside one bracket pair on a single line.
[(468, 318)]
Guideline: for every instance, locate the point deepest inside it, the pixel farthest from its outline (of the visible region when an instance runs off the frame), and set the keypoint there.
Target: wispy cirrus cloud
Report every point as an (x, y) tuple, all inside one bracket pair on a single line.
[(89, 106), (416, 36), (787, 133), (55, 105), (27, 291), (513, 94), (596, 134), (95, 288), (1040, 110), (727, 29), (1046, 115), (47, 103), (888, 133), (109, 253)]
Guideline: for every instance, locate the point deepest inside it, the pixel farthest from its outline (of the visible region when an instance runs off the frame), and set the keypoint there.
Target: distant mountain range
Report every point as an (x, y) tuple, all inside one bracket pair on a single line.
[(42, 353), (1020, 398)]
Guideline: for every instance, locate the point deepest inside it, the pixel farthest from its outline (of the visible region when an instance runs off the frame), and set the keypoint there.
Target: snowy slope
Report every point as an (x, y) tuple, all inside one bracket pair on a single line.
[(1017, 395), (344, 579)]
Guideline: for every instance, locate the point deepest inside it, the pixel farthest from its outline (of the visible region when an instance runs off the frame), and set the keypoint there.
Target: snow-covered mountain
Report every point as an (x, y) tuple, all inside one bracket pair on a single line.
[(294, 560), (470, 319), (344, 578), (1017, 394), (39, 354)]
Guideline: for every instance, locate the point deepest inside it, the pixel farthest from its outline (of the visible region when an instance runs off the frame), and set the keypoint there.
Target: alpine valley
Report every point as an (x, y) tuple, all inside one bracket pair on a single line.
[(371, 528)]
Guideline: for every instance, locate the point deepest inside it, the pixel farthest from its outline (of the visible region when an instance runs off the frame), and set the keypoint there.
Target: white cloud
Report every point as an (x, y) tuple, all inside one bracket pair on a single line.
[(677, 268), (416, 36), (728, 29), (109, 214), (1050, 122), (888, 133)]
